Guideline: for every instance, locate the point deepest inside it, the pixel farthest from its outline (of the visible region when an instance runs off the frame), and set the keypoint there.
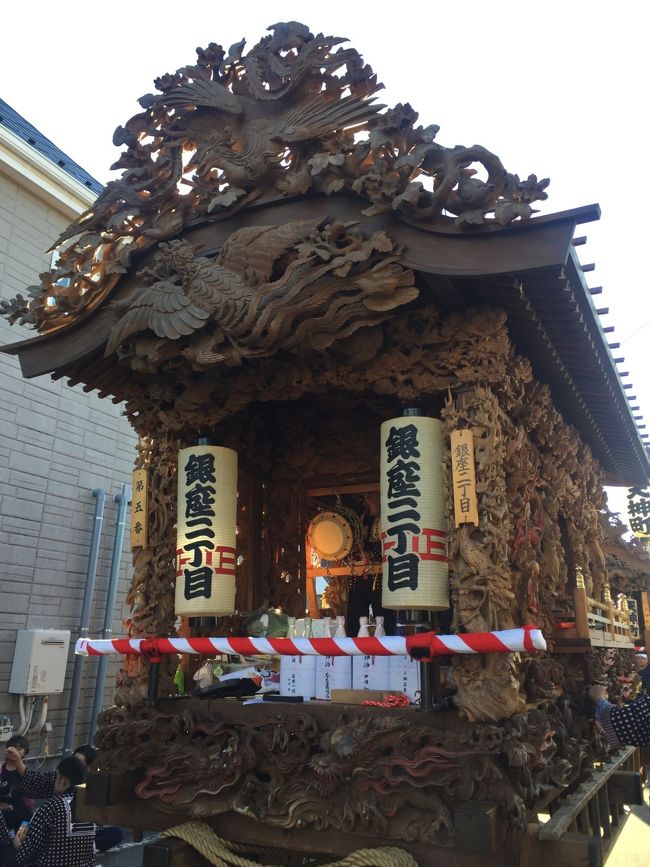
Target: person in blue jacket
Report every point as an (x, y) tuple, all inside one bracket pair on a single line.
[(624, 724), (643, 670)]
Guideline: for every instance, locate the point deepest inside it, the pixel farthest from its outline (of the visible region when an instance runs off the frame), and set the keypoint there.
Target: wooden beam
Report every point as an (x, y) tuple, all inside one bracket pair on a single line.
[(612, 620), (361, 569), (573, 850), (477, 827), (626, 787), (368, 488), (104, 788), (574, 804), (172, 853), (241, 829)]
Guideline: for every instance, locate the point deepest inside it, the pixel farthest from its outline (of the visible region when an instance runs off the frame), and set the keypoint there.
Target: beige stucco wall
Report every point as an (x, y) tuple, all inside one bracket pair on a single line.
[(56, 444)]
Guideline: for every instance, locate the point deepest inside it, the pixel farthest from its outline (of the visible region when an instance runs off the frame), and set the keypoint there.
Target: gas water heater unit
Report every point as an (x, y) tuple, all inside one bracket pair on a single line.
[(40, 661)]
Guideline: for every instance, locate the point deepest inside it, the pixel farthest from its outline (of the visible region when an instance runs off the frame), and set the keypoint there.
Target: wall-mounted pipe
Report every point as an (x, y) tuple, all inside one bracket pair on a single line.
[(84, 622), (122, 500)]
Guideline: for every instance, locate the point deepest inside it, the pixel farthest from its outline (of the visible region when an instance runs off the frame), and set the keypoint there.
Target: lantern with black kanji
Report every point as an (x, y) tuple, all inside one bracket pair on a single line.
[(413, 523), (206, 531)]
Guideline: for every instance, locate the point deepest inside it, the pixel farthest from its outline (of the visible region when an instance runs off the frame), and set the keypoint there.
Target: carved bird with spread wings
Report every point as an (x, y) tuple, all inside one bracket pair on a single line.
[(301, 285)]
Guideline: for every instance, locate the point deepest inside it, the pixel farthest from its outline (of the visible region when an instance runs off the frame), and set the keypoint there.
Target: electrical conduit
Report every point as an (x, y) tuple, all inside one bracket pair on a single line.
[(84, 624), (122, 500)]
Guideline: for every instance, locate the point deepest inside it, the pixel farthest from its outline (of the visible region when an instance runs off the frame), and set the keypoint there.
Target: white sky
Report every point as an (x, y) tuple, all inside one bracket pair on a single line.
[(555, 88)]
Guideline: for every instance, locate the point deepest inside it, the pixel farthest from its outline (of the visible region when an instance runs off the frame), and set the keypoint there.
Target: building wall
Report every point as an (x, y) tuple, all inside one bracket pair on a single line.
[(57, 444)]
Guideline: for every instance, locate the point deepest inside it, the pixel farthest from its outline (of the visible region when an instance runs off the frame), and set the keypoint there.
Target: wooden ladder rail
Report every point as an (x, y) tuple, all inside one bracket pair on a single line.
[(589, 820)]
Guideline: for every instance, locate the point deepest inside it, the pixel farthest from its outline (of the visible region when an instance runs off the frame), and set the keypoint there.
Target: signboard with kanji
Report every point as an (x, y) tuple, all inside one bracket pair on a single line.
[(638, 511), (139, 508), (463, 475)]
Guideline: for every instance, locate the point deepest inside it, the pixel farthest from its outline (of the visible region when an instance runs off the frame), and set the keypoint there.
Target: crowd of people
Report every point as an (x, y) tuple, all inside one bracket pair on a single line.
[(49, 836)]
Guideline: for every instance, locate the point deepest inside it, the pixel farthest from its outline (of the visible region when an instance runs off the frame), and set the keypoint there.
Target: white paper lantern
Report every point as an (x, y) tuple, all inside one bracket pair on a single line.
[(206, 531), (413, 524)]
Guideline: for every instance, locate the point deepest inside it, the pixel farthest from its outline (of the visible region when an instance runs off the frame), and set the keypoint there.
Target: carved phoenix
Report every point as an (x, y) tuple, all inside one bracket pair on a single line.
[(299, 286)]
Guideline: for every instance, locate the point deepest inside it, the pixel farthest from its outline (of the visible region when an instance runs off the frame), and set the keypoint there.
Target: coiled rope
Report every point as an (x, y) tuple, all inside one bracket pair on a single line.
[(220, 852)]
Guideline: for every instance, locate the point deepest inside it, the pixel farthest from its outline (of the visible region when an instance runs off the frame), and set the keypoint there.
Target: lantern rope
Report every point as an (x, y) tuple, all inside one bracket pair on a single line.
[(220, 852)]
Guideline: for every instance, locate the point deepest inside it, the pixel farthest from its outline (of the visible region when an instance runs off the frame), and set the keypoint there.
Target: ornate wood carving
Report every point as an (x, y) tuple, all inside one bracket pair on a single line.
[(414, 353), (480, 574), (389, 775), (479, 568), (151, 592), (301, 286), (295, 114), (628, 563)]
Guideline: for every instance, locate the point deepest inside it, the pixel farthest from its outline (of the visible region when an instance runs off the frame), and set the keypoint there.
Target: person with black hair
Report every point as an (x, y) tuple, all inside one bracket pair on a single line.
[(15, 805), (40, 784), (86, 753), (53, 838)]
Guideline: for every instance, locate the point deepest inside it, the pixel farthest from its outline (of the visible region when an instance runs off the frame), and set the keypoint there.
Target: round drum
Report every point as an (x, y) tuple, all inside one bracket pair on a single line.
[(330, 535)]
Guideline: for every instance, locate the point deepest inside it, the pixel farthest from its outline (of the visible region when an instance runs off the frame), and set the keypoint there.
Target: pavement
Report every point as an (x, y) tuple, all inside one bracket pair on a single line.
[(632, 849)]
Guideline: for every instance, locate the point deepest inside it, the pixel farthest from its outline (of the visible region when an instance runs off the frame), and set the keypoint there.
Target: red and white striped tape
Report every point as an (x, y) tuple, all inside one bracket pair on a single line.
[(424, 644)]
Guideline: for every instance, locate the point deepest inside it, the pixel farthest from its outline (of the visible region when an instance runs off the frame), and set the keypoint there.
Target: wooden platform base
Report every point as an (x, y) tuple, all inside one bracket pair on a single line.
[(241, 829)]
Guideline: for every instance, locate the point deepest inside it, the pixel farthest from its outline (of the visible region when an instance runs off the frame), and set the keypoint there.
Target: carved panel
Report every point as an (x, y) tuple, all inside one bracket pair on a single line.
[(398, 775)]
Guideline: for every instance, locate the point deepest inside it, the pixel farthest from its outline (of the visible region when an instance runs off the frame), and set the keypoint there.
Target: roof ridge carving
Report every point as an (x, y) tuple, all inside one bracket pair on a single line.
[(294, 115)]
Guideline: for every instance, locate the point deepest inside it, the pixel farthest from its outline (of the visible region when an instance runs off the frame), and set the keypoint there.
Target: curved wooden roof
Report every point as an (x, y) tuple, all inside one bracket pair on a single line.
[(529, 269)]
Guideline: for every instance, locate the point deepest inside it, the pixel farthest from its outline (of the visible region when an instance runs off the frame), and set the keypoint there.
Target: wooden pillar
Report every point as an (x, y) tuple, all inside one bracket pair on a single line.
[(645, 608), (581, 607), (611, 612), (151, 591)]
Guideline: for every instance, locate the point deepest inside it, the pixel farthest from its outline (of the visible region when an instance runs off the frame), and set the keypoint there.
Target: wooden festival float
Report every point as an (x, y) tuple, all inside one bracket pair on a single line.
[(284, 269)]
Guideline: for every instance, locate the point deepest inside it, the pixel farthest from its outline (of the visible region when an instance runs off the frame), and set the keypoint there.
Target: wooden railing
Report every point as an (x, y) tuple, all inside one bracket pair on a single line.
[(595, 624), (584, 825)]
